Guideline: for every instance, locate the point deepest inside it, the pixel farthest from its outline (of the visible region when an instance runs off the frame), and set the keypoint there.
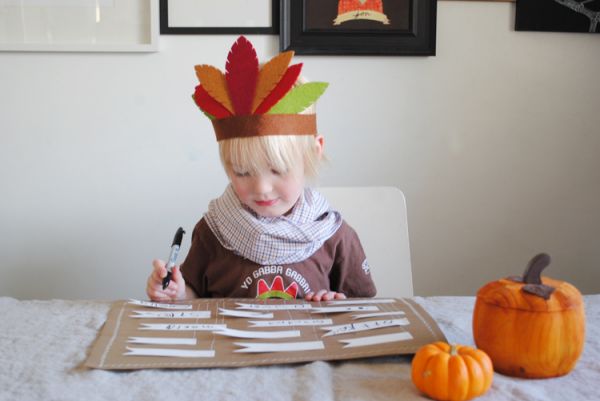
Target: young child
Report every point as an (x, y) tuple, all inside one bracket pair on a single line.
[(268, 235)]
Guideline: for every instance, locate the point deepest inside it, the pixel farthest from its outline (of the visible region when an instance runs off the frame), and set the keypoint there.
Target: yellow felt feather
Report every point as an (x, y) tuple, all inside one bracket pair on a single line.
[(213, 81), (270, 75)]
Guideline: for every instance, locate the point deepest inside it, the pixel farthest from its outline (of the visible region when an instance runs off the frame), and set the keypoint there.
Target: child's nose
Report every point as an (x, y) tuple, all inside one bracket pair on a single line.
[(262, 185)]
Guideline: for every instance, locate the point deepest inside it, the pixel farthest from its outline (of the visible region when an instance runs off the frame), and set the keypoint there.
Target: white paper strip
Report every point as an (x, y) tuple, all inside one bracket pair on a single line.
[(183, 327), (273, 307), (377, 314), (200, 314), (162, 340), (339, 309), (372, 340), (290, 323), (241, 313), (280, 347), (258, 334), (371, 325), (159, 305), (361, 301), (182, 353)]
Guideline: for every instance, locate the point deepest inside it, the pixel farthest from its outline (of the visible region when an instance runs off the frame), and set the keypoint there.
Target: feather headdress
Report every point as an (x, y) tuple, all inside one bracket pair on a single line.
[(248, 100)]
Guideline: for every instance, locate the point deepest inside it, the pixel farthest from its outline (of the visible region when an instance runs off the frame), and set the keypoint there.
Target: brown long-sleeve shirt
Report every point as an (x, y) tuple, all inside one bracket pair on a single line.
[(339, 265)]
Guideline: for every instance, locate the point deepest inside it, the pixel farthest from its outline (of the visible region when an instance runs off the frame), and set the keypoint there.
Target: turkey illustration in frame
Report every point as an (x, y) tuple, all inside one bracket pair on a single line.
[(359, 27)]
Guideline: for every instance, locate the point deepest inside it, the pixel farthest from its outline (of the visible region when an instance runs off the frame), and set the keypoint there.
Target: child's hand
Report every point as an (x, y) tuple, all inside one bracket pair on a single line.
[(176, 289), (324, 295)]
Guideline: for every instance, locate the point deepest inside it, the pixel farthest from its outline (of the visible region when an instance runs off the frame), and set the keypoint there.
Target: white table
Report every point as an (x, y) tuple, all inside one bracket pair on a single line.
[(44, 343)]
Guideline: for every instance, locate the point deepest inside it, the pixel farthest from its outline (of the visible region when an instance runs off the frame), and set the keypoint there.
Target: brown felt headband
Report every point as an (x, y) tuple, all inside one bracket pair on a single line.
[(265, 124)]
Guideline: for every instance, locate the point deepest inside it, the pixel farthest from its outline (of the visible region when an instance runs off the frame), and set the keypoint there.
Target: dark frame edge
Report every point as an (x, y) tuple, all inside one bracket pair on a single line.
[(165, 29), (301, 47)]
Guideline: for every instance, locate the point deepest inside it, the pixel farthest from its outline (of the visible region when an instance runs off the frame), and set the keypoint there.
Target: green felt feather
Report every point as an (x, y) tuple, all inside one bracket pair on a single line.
[(299, 98), (210, 117)]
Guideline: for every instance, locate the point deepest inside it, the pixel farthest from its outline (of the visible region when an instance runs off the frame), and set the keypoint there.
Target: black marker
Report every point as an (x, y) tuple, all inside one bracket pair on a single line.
[(173, 256)]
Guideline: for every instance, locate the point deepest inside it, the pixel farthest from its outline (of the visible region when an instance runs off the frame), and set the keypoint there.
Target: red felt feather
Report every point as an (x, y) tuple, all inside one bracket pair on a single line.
[(242, 75), (208, 104), (282, 88)]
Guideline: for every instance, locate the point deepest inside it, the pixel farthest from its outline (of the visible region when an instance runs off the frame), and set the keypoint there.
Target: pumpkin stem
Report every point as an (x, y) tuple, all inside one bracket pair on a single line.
[(532, 278), (533, 272), (453, 350)]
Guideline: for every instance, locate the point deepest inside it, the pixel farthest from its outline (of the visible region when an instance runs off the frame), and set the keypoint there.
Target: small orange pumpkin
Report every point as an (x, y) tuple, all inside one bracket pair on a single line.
[(531, 326), (451, 372)]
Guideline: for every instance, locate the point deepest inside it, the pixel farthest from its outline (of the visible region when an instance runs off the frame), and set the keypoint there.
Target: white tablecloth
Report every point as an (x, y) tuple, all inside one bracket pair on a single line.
[(44, 343)]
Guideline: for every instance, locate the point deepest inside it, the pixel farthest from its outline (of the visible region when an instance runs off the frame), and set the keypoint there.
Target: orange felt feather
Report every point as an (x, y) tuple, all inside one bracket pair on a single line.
[(213, 81), (208, 104), (270, 75), (241, 76)]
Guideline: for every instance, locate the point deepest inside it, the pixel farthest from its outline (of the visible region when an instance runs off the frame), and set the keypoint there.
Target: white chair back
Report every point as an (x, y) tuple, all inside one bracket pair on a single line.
[(378, 215)]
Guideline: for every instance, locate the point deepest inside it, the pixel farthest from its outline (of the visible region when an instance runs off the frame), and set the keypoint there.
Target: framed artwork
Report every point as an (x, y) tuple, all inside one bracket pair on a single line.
[(373, 27), (79, 25), (216, 17), (496, 1), (558, 15)]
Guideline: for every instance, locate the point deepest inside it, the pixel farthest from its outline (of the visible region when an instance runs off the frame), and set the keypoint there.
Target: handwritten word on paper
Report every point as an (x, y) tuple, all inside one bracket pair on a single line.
[(361, 301), (354, 327), (290, 323), (258, 334), (162, 340), (174, 352), (280, 347), (374, 340), (246, 314), (341, 309), (201, 314), (273, 307), (159, 305), (183, 327), (378, 314)]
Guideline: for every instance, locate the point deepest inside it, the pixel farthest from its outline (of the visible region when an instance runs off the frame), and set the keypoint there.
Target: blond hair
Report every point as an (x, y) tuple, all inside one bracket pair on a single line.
[(282, 153)]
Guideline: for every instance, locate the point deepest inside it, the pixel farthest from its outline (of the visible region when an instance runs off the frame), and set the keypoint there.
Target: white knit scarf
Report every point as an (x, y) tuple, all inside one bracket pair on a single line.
[(273, 240)]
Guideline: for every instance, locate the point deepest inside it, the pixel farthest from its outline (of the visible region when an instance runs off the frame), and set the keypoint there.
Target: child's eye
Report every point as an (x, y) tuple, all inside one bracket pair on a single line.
[(241, 174), (275, 171)]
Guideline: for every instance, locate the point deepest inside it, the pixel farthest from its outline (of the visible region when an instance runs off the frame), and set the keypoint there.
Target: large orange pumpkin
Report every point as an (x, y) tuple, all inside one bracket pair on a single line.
[(451, 372), (531, 326)]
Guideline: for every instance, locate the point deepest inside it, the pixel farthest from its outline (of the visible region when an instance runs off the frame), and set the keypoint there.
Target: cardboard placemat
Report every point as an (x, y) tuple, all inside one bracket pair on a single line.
[(112, 345)]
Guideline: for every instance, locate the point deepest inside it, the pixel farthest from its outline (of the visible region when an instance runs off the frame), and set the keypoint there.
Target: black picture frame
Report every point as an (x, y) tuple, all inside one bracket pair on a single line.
[(166, 29), (555, 16), (416, 38)]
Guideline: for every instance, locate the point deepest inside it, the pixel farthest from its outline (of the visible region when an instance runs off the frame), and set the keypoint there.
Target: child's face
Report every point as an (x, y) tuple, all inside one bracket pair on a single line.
[(268, 193)]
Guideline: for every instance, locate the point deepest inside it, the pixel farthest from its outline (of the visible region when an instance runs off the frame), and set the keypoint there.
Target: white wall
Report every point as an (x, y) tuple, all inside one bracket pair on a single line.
[(494, 141)]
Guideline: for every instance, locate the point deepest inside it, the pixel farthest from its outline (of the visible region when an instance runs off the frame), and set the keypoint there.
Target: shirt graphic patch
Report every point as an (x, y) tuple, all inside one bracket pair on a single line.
[(276, 290), (366, 268)]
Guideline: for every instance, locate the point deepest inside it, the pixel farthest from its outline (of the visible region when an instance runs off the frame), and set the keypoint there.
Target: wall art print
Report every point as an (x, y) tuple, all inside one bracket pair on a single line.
[(558, 15), (356, 15), (185, 17), (374, 27)]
